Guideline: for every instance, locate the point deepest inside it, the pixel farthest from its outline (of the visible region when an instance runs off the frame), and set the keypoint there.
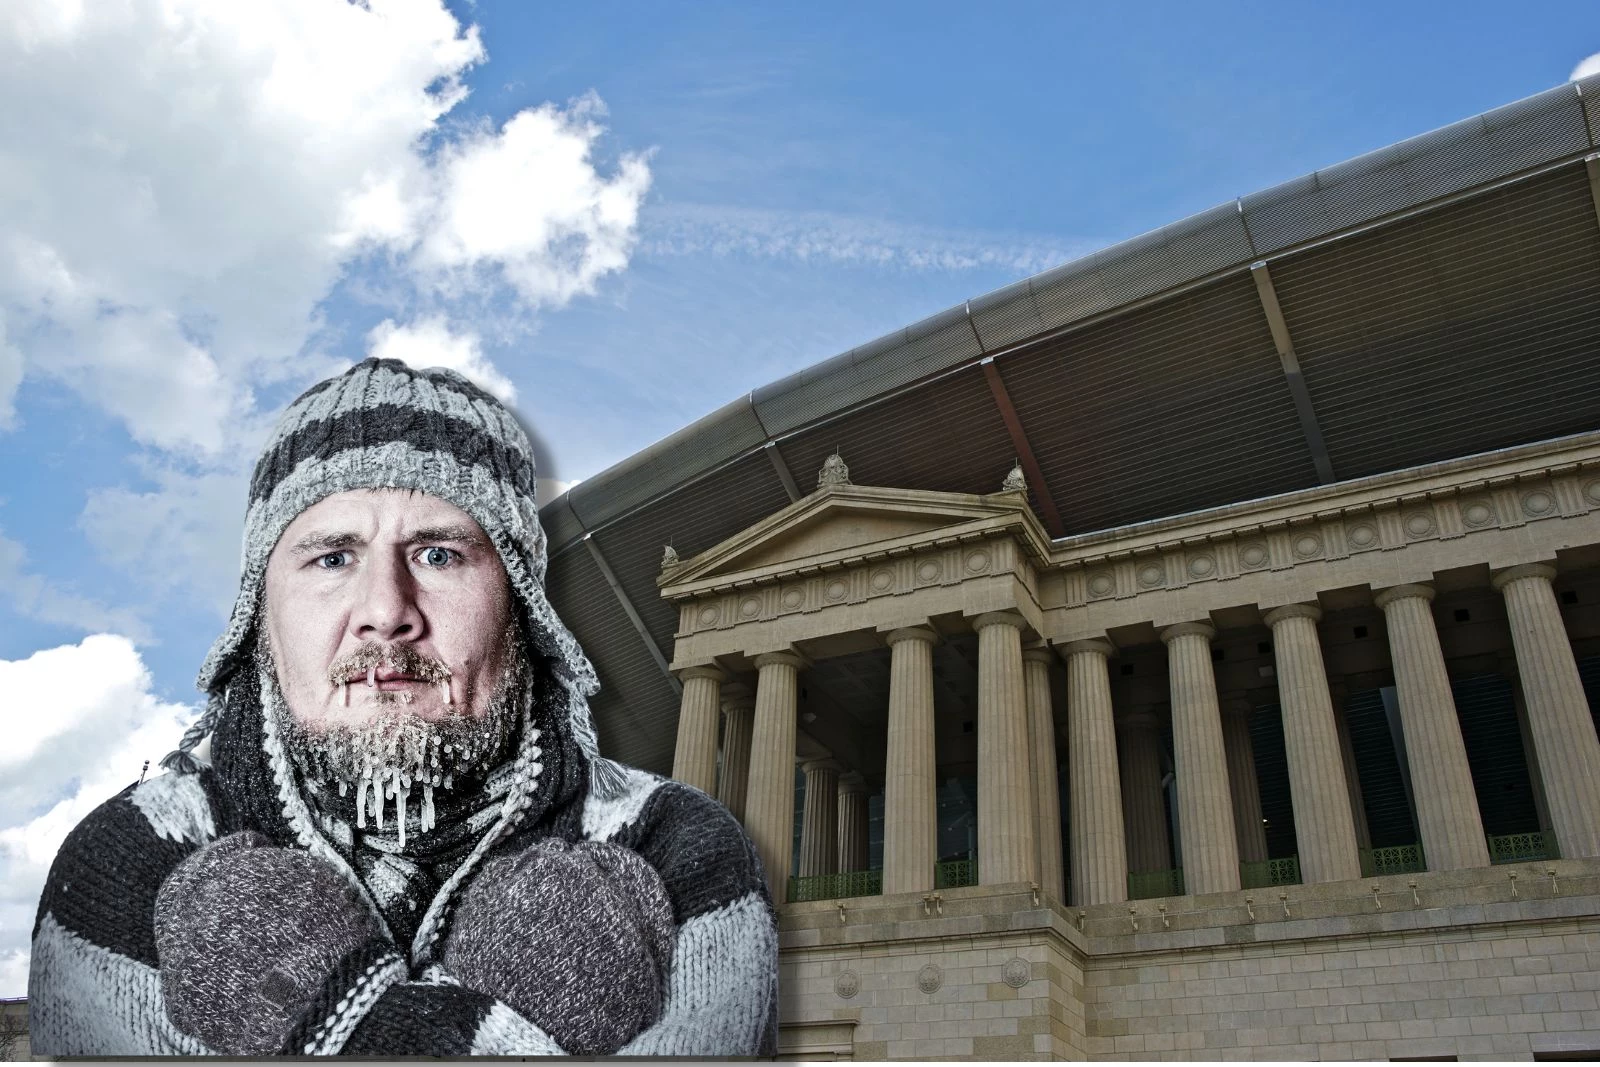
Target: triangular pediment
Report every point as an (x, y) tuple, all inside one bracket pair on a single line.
[(839, 523)]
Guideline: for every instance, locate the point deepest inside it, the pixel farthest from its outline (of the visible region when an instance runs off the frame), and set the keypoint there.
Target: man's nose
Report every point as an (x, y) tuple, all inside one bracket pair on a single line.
[(386, 609)]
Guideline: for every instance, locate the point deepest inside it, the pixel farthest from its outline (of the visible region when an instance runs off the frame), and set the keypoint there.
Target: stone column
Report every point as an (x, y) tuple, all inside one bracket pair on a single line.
[(1323, 828), (1099, 849), (1042, 755), (769, 801), (1243, 787), (910, 832), (695, 760), (1441, 781), (854, 846), (1144, 805), (1564, 738), (1205, 810), (819, 829), (1006, 850), (738, 718)]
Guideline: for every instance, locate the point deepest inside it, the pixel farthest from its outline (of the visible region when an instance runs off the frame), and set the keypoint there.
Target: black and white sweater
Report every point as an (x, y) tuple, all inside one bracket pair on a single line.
[(95, 983)]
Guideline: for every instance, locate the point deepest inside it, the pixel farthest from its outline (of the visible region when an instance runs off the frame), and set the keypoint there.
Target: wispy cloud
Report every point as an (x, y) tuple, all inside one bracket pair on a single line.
[(1586, 68), (825, 237)]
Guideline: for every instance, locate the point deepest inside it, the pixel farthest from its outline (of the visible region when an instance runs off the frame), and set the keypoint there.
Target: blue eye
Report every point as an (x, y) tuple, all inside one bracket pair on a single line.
[(330, 561), (437, 557)]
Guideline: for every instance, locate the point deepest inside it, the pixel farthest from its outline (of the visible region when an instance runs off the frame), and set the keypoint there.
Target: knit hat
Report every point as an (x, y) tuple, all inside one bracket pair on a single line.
[(383, 424)]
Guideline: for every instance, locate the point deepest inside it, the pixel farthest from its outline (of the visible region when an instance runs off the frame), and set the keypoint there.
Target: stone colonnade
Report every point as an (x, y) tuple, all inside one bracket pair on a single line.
[(1117, 819)]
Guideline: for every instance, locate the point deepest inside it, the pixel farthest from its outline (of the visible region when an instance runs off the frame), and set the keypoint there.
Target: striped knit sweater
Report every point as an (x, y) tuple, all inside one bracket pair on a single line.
[(95, 986)]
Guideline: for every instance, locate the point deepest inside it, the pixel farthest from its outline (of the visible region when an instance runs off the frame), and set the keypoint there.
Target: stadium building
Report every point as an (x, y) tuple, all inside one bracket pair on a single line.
[(1188, 652)]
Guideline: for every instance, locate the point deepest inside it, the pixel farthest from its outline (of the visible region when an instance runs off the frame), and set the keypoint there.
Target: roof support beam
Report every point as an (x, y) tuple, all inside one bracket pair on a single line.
[(782, 468), (1592, 165), (1291, 372), (1030, 465), (633, 616)]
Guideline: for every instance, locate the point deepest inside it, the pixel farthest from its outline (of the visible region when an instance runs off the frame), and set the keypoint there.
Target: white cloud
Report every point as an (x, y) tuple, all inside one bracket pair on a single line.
[(830, 238), (190, 180), (103, 723), (1587, 68), (35, 597), (528, 202), (428, 342)]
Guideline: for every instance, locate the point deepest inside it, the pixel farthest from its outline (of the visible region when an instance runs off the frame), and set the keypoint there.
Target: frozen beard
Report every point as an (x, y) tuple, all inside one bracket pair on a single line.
[(394, 750)]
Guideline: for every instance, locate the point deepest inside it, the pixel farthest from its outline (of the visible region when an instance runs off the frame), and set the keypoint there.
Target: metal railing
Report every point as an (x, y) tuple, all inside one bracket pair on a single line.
[(1259, 875), (836, 886), (1514, 848), (953, 874), (1396, 859), (1146, 884)]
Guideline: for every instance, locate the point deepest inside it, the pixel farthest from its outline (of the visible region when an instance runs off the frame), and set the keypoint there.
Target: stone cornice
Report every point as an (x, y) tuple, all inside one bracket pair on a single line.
[(1484, 509), (1485, 473)]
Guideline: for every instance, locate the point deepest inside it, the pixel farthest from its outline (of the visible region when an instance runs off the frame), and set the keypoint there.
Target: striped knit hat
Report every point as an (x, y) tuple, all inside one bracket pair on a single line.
[(383, 424)]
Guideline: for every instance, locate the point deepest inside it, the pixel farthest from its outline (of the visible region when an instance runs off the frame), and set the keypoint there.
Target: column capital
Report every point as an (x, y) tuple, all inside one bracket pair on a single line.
[(1038, 655), (1098, 645), (1293, 611), (716, 674), (911, 633), (735, 704), (999, 618), (1388, 596), (851, 782), (1185, 629), (1524, 570), (826, 763), (787, 659)]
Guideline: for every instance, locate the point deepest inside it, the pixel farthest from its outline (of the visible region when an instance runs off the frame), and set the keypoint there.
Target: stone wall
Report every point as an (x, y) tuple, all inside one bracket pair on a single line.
[(1474, 964), (976, 974)]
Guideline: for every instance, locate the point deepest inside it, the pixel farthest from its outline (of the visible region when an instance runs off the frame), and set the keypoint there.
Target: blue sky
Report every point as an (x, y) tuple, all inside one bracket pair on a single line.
[(632, 215)]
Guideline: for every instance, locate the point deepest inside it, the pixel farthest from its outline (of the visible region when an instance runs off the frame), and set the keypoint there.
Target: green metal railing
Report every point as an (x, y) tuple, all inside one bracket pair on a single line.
[(1396, 859), (954, 874), (1285, 871), (1147, 884), (836, 886), (1514, 848)]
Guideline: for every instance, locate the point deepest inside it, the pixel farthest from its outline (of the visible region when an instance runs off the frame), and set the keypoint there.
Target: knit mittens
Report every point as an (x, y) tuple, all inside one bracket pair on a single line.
[(576, 938), (247, 934)]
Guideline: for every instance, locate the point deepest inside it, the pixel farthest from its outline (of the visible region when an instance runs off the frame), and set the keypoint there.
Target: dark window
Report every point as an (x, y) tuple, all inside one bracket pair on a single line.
[(1463, 615), (1569, 596), (1360, 631)]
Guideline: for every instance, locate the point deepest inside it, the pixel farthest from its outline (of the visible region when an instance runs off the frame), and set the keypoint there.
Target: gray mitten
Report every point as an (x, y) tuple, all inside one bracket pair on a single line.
[(576, 938), (247, 934)]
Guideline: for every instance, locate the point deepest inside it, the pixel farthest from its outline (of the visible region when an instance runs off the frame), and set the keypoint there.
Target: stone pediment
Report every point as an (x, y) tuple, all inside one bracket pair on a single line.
[(840, 523)]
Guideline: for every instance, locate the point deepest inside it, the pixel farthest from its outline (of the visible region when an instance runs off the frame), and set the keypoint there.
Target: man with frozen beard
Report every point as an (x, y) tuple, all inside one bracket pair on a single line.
[(391, 832)]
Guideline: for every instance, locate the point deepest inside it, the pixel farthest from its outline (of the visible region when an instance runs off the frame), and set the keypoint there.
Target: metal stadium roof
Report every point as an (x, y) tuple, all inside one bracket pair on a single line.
[(1433, 299)]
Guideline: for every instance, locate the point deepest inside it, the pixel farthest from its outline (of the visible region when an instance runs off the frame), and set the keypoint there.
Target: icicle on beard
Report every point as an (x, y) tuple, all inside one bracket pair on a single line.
[(395, 751)]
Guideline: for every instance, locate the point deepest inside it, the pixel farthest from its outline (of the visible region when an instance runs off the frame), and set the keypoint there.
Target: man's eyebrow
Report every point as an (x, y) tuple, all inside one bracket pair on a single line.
[(319, 541), (456, 533)]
